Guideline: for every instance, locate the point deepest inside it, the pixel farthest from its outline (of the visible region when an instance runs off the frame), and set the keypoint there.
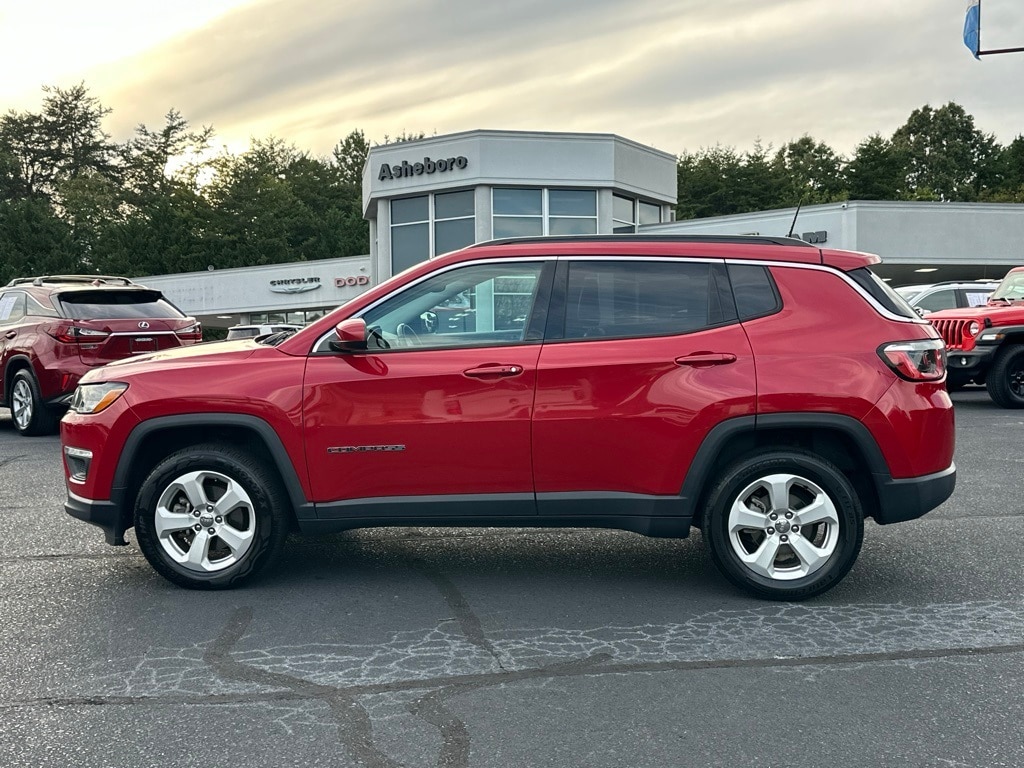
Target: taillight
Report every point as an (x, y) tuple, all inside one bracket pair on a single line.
[(193, 332), (72, 334), (916, 360)]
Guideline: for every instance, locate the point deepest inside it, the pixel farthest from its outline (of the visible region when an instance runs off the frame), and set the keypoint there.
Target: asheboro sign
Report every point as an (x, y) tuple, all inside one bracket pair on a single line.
[(427, 166)]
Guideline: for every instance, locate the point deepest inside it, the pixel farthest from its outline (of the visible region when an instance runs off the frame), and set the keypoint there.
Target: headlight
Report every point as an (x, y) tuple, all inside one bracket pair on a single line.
[(974, 328), (93, 398)]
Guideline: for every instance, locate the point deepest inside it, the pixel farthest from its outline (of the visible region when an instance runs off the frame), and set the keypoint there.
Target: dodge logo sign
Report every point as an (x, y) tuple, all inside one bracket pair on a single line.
[(143, 324)]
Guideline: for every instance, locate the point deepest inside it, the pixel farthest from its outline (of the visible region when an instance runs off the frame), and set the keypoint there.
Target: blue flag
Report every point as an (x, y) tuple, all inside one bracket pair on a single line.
[(972, 28)]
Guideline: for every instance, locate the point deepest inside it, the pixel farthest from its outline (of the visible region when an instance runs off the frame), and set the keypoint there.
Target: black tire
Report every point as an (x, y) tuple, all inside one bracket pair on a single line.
[(261, 517), (784, 576), (1005, 381), (30, 414)]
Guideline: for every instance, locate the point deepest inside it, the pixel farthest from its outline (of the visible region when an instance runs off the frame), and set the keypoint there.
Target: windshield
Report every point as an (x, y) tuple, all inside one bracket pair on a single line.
[(1011, 289)]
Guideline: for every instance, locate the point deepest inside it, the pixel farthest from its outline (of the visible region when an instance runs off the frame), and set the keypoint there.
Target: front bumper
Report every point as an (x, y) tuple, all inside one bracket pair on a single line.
[(967, 365), (910, 498), (109, 516)]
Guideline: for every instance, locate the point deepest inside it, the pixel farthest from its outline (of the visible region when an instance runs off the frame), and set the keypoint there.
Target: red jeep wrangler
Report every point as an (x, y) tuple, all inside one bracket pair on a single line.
[(764, 390), (986, 344)]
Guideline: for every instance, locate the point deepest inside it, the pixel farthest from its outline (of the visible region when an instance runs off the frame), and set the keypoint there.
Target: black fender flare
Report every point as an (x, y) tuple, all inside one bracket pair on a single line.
[(266, 433), (702, 468)]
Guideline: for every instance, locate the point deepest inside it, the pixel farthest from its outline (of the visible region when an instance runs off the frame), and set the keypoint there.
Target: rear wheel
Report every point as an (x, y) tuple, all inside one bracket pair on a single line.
[(1005, 382), (31, 416), (785, 525), (210, 517)]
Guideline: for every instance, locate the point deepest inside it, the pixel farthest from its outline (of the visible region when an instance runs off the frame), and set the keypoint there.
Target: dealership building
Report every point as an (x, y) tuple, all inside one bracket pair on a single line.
[(423, 198)]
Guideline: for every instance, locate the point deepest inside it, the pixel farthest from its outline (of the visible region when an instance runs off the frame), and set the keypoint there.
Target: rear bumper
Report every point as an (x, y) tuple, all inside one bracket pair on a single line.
[(910, 498), (105, 514)]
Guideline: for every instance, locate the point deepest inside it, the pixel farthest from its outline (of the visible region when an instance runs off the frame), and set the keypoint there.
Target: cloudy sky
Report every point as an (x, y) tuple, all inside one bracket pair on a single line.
[(674, 74)]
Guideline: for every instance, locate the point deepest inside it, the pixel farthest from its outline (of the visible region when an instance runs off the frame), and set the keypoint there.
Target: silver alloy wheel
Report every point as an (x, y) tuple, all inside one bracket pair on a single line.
[(21, 404), (205, 521), (783, 527)]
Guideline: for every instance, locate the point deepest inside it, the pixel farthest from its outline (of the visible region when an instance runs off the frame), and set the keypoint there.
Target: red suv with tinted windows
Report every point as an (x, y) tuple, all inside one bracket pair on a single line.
[(769, 392), (53, 329)]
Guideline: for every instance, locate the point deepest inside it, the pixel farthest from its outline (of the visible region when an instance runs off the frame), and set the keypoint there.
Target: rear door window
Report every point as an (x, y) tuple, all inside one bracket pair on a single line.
[(609, 299), (116, 305)]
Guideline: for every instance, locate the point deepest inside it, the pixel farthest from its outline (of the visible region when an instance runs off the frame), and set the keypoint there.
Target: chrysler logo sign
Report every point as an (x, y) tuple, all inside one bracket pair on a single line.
[(295, 285), (428, 166)]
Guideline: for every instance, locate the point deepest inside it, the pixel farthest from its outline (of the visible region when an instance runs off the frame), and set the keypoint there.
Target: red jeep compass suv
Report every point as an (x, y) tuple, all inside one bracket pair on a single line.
[(55, 328), (769, 392)]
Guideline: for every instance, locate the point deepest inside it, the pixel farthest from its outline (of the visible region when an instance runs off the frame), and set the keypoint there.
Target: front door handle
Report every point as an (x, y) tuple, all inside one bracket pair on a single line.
[(707, 358), (495, 370)]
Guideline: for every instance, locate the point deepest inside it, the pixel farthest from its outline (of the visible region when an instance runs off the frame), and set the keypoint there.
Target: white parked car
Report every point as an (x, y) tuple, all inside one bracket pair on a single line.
[(252, 331), (949, 295)]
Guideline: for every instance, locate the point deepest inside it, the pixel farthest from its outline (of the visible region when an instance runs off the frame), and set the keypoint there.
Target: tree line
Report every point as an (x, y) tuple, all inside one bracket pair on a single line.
[(938, 154), (72, 200)]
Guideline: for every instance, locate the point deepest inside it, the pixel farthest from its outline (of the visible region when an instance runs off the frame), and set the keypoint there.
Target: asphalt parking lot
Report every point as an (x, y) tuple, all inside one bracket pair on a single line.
[(457, 647)]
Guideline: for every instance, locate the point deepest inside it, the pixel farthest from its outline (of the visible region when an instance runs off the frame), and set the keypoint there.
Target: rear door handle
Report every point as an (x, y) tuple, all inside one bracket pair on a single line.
[(707, 358), (10, 334), (496, 370)]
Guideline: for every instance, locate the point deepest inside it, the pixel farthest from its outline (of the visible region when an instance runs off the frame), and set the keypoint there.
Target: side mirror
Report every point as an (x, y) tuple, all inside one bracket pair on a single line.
[(351, 335)]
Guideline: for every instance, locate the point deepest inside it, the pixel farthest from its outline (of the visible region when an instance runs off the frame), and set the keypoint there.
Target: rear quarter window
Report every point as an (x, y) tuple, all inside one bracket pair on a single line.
[(754, 290)]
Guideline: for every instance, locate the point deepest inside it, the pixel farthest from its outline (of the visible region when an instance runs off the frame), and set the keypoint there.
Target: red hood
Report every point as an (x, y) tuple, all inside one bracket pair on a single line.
[(998, 312), (194, 356)]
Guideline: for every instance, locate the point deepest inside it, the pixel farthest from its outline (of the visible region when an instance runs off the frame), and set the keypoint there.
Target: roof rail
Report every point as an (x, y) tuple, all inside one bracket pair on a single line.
[(86, 279), (737, 239)]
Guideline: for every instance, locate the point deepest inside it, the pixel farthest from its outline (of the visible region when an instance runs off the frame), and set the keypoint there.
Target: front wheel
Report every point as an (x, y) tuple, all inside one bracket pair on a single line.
[(1005, 382), (784, 525), (210, 517)]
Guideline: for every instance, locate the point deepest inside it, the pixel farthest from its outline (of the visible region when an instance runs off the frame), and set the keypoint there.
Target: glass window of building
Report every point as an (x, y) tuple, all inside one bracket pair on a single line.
[(623, 214), (627, 213), (454, 221), (572, 212), (518, 212), (648, 213), (428, 225), (533, 212), (410, 232)]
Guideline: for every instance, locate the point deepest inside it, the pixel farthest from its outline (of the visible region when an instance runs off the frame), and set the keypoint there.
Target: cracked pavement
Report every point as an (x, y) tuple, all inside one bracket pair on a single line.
[(487, 647)]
